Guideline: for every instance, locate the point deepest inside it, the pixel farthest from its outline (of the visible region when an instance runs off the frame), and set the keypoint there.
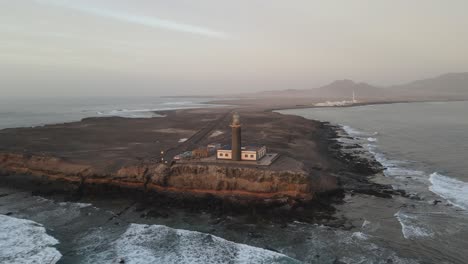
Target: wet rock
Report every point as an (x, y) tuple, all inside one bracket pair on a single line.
[(157, 213), (254, 235)]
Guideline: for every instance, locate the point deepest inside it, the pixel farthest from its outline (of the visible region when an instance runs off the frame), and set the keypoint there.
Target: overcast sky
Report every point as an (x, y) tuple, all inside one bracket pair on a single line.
[(150, 47)]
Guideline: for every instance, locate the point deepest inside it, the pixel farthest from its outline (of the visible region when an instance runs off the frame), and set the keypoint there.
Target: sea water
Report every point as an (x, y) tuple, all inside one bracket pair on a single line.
[(26, 112), (430, 139), (398, 230), (424, 147)]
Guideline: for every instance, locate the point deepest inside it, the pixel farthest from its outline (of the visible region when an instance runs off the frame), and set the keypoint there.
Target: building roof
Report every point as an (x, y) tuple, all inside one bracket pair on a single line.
[(247, 148), (252, 148)]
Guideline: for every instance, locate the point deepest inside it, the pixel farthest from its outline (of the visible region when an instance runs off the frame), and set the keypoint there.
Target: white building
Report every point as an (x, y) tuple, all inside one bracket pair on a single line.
[(252, 153)]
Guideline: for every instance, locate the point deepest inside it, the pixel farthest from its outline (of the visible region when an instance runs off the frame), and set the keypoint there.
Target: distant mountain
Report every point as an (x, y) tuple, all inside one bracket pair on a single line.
[(344, 89), (447, 86), (339, 90)]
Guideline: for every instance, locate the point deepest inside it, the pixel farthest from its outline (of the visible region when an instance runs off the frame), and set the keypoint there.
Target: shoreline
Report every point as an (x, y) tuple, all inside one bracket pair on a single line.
[(356, 214), (366, 104), (143, 174)]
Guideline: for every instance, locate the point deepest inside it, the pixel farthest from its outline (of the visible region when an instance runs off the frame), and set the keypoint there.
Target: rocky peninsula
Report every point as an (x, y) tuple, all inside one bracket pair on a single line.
[(112, 154)]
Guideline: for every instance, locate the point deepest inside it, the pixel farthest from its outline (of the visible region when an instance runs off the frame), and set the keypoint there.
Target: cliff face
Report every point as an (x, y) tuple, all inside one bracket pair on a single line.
[(180, 178)]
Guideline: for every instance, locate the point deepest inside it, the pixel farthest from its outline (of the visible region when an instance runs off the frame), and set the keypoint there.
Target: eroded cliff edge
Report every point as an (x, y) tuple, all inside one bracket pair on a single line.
[(195, 179), (103, 153)]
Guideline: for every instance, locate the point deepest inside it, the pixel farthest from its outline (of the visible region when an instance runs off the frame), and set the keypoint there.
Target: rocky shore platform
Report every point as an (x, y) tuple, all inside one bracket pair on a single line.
[(121, 156)]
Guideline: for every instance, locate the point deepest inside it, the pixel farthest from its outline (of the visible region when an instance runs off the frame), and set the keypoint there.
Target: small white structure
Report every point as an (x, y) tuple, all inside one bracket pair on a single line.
[(339, 103), (224, 154), (248, 153)]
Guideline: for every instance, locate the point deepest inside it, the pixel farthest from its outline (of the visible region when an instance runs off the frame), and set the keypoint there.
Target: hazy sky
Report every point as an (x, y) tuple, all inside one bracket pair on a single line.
[(150, 47)]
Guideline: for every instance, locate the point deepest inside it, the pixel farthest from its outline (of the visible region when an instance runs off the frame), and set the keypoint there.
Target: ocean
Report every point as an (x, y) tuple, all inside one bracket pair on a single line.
[(27, 112), (426, 139), (422, 145)]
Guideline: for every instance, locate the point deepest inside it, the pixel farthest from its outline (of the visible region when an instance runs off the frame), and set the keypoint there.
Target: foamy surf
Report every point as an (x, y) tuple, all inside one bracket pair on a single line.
[(454, 191), (141, 244), (411, 227), (25, 241), (354, 132)]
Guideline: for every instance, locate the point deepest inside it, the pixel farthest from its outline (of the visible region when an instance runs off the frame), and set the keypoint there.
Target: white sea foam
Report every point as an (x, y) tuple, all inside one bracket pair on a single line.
[(411, 227), (161, 244), (178, 103), (134, 113), (394, 168), (351, 131), (455, 191), (25, 241), (354, 132), (365, 224), (360, 236), (371, 139), (77, 205)]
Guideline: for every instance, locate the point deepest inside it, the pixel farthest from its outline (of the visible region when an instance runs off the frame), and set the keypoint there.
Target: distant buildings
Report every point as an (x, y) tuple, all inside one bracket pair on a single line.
[(338, 103)]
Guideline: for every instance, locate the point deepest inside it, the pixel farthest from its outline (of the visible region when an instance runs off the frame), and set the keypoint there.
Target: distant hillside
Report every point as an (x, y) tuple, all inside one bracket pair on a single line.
[(339, 90), (344, 89), (447, 86)]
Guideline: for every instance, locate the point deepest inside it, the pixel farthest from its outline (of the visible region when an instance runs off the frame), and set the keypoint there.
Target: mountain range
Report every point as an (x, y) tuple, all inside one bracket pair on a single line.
[(448, 86)]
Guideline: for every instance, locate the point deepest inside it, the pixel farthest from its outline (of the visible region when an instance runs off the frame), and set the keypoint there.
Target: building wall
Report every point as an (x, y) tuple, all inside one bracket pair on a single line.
[(261, 152), (224, 154), (250, 155), (200, 153)]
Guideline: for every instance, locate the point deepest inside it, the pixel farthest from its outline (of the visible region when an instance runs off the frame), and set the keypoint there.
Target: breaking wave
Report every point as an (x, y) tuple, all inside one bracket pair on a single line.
[(25, 241), (411, 226), (354, 132), (178, 103), (161, 244), (454, 191)]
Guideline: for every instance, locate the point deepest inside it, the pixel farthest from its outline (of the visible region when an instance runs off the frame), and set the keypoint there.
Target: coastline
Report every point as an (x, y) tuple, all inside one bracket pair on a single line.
[(298, 103), (365, 208), (144, 174)]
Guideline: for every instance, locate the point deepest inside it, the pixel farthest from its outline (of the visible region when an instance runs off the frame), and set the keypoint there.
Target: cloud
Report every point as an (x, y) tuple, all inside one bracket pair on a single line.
[(140, 20)]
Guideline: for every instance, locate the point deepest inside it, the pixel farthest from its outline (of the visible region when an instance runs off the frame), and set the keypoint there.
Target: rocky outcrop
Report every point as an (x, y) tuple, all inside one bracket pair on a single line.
[(218, 180)]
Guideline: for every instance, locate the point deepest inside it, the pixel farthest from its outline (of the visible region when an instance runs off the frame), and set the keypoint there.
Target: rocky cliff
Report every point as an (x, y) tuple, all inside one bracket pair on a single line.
[(218, 180)]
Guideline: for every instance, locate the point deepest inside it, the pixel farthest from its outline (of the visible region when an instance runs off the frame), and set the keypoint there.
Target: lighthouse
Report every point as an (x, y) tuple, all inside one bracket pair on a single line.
[(235, 152), (236, 138)]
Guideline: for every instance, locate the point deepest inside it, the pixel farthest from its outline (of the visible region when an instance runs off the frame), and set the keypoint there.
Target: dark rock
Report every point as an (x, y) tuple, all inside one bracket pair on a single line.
[(271, 249), (254, 235)]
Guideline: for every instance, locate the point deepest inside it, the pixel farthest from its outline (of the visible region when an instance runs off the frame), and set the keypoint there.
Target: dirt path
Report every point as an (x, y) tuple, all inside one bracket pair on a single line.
[(194, 140)]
